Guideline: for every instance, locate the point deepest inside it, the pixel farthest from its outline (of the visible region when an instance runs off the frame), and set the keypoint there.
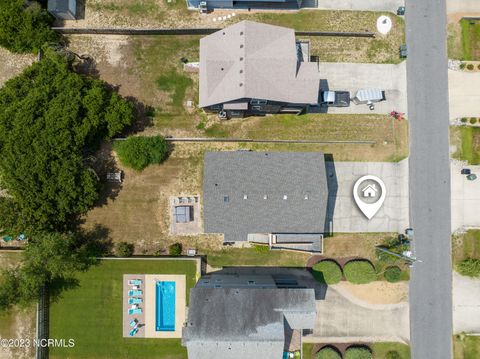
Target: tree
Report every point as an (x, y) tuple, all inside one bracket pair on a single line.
[(24, 26), (327, 271), (469, 267), (359, 271), (138, 152), (175, 249), (125, 249), (49, 258), (51, 121)]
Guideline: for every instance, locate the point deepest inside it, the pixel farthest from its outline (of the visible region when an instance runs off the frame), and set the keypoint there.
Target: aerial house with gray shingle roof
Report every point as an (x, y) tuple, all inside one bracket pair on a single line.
[(251, 68), (235, 321), (274, 198)]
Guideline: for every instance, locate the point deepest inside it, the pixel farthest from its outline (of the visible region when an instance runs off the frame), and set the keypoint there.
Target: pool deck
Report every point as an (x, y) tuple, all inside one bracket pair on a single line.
[(140, 317), (150, 304)]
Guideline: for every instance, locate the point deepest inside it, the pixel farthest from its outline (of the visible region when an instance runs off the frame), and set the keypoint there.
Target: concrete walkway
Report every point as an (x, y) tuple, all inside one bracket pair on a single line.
[(357, 5), (464, 93), (466, 304), (342, 318)]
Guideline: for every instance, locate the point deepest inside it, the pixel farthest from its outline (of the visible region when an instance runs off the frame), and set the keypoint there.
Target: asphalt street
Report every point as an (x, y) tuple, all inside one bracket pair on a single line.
[(427, 86)]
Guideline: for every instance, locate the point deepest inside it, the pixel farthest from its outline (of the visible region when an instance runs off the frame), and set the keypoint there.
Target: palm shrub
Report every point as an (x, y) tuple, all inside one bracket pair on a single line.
[(358, 352), (327, 271), (125, 249), (469, 267), (359, 271), (392, 274), (175, 249), (328, 353), (138, 152)]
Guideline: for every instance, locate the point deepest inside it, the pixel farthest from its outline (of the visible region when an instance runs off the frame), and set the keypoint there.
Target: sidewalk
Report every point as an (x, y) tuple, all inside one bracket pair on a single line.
[(357, 5)]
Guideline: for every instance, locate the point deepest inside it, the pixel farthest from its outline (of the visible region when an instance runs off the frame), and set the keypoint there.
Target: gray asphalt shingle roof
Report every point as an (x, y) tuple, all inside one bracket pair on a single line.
[(258, 192), (229, 323), (254, 60)]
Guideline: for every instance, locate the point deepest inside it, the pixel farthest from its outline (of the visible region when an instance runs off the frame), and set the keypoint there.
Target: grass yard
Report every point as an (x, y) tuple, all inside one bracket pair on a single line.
[(174, 14), (255, 256), (16, 323), (379, 350), (470, 39), (363, 245), (466, 347), (466, 246), (91, 314), (454, 41), (467, 142)]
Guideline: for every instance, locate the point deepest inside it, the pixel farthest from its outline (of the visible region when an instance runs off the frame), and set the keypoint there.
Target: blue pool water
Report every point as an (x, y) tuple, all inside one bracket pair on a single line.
[(165, 311)]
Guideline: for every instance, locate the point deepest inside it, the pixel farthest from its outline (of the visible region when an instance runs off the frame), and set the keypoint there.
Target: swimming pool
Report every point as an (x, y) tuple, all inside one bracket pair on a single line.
[(165, 311)]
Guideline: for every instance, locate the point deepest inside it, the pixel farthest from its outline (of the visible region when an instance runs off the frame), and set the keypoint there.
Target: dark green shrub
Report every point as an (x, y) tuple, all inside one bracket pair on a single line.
[(175, 249), (328, 353), (470, 67), (392, 274), (473, 120), (462, 66), (327, 271), (478, 67), (392, 354), (125, 249), (358, 352), (469, 267), (25, 26), (138, 152), (359, 272), (464, 119)]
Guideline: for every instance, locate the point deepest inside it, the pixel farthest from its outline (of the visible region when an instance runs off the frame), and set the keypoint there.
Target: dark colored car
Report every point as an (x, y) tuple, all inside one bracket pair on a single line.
[(335, 98), (403, 51), (465, 171), (472, 177)]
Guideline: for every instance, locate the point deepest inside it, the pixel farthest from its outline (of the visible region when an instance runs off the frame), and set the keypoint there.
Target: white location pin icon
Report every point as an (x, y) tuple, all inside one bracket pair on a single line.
[(368, 208)]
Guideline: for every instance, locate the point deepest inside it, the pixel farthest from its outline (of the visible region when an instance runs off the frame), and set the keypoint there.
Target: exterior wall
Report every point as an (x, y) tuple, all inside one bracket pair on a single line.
[(63, 9), (225, 4), (258, 108)]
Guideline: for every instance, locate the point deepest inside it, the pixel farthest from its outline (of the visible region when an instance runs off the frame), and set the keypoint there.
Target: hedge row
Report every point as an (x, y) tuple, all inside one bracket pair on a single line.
[(357, 271)]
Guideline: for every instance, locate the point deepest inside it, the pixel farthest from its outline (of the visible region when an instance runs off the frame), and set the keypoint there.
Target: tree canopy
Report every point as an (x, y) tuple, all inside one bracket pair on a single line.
[(24, 27), (51, 121), (138, 152)]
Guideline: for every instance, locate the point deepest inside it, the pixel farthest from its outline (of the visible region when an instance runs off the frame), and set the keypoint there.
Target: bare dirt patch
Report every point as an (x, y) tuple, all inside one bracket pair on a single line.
[(378, 292), (12, 64)]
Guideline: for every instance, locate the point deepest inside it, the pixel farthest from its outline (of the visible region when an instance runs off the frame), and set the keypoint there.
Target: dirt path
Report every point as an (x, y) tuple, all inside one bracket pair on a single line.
[(12, 64)]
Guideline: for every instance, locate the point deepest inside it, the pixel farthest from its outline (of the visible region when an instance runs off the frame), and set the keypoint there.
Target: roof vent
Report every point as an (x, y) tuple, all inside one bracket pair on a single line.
[(221, 69), (241, 32), (241, 71), (224, 33), (226, 199), (241, 58), (245, 196), (306, 196), (285, 196), (265, 196), (240, 84), (241, 46)]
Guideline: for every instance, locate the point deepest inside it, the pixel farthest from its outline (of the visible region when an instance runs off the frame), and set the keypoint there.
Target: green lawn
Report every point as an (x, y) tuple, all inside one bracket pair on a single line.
[(91, 314), (470, 39), (255, 256), (466, 347), (467, 141), (466, 246)]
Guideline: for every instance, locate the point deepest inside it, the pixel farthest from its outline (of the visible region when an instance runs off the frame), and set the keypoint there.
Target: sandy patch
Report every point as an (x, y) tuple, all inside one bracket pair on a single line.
[(378, 292), (12, 64)]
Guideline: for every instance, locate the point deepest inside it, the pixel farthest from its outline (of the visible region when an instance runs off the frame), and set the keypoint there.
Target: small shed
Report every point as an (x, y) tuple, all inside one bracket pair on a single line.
[(63, 9)]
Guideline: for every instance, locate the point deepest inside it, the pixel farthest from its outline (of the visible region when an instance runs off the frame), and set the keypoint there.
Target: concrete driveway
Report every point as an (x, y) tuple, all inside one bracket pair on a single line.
[(352, 77), (465, 6), (465, 197), (343, 319), (464, 93), (394, 214), (466, 304), (364, 5)]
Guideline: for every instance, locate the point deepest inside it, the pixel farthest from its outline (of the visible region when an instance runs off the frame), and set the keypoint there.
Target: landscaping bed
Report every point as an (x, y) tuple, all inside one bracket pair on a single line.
[(466, 347), (91, 313), (378, 350)]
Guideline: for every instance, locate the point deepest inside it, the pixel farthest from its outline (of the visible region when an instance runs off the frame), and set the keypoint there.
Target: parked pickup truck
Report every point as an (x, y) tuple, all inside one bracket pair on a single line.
[(335, 98)]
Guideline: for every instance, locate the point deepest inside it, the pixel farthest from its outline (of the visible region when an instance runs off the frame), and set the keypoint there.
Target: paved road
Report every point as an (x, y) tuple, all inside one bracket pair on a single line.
[(427, 85)]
